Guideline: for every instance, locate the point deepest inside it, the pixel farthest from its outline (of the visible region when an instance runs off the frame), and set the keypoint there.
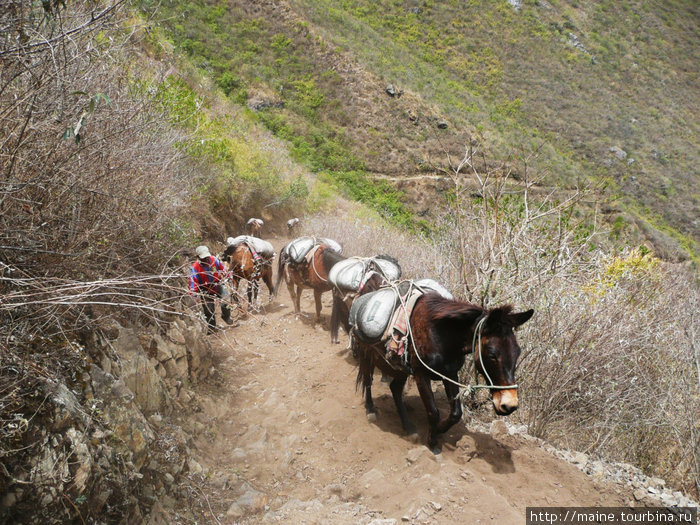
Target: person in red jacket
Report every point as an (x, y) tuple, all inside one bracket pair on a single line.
[(207, 283)]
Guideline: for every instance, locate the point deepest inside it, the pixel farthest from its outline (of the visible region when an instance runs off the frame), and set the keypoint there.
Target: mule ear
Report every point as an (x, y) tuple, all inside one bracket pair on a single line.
[(522, 317)]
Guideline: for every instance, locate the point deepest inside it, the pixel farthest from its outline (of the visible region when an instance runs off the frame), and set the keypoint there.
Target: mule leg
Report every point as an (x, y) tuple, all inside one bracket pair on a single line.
[(335, 321), (397, 385), (252, 293), (234, 285), (317, 299), (267, 279), (292, 295), (426, 395), (455, 414), (249, 294), (297, 299), (367, 368)]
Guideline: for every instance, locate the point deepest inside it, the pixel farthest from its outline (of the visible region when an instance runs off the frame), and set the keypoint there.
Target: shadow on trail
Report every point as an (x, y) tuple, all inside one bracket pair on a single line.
[(307, 319), (458, 443), (478, 445)]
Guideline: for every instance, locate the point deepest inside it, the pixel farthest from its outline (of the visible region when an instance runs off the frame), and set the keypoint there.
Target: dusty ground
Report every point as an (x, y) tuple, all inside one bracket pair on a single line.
[(284, 438)]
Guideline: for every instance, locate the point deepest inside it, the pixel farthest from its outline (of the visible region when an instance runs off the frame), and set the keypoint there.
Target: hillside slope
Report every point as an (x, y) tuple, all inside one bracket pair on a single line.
[(602, 92)]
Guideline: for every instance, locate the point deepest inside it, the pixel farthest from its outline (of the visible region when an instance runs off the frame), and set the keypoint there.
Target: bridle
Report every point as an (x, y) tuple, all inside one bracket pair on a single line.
[(476, 340), (477, 337)]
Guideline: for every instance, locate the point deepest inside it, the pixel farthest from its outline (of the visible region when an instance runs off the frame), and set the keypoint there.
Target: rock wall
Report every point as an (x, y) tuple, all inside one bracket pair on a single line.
[(93, 446)]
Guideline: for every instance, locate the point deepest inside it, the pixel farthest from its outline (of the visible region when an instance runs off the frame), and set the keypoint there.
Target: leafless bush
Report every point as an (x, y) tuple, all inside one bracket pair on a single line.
[(369, 236), (610, 364), (501, 230), (612, 370), (91, 183), (91, 188)]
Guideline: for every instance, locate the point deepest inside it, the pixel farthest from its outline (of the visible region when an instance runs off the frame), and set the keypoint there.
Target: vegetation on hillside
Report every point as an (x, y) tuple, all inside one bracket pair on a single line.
[(251, 62), (603, 90), (581, 77)]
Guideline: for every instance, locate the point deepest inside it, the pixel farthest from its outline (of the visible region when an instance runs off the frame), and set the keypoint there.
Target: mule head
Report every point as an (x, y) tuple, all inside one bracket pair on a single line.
[(370, 282), (498, 354)]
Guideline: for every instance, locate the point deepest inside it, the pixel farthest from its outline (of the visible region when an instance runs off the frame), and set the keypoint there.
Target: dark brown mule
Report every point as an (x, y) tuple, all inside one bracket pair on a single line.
[(242, 265), (443, 332), (313, 274)]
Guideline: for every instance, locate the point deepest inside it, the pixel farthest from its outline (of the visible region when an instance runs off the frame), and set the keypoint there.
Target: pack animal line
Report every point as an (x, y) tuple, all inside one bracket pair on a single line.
[(250, 259), (293, 224)]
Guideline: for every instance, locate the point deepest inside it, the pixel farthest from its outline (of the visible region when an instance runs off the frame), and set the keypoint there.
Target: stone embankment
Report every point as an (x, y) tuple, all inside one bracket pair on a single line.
[(97, 445)]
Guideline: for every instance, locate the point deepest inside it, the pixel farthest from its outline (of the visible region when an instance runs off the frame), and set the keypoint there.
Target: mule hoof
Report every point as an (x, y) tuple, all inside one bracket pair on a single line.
[(437, 451), (414, 437), (372, 417)]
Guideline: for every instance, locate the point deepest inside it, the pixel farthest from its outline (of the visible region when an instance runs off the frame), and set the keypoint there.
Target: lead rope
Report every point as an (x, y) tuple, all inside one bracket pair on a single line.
[(477, 331)]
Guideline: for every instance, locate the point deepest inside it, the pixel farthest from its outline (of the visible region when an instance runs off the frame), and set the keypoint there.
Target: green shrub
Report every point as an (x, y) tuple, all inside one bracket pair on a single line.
[(228, 82)]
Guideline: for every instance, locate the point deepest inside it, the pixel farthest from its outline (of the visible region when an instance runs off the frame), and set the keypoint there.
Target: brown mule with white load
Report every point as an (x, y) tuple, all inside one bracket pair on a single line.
[(437, 336), (305, 263)]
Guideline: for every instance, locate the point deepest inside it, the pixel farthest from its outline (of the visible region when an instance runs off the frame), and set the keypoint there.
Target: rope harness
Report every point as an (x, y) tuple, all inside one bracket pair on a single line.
[(476, 343), (258, 261), (312, 253), (313, 265)]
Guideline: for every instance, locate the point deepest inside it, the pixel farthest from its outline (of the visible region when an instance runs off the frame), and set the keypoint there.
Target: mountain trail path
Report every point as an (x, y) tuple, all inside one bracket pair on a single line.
[(284, 438)]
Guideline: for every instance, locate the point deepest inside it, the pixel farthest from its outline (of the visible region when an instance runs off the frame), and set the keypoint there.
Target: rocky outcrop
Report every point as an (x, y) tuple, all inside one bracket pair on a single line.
[(96, 439)]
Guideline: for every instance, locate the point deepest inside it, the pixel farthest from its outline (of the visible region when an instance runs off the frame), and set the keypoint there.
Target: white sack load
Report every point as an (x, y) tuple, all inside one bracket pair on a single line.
[(348, 275), (428, 285), (298, 248), (261, 246), (389, 269), (370, 314), (335, 246)]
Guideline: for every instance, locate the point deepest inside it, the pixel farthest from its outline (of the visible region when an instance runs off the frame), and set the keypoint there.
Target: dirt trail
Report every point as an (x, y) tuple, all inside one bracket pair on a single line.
[(287, 440)]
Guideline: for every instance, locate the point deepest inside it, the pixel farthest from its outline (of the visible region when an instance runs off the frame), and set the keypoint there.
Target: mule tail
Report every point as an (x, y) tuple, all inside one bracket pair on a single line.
[(340, 315), (282, 259), (365, 368)]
